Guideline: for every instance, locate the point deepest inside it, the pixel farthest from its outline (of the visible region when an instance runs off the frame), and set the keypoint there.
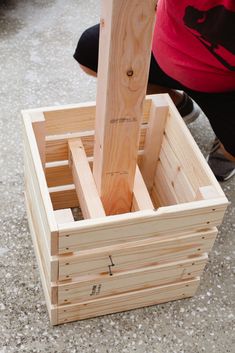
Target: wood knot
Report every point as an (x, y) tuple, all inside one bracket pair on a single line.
[(130, 73)]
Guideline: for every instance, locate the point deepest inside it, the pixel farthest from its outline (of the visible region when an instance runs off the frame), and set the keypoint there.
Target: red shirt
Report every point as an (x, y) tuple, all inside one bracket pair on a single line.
[(194, 43)]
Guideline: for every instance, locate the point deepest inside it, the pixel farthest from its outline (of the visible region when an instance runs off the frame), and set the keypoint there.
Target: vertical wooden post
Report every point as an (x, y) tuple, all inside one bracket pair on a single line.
[(153, 141), (124, 55)]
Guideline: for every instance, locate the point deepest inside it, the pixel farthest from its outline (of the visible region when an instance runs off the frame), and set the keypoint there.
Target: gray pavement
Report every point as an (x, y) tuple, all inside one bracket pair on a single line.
[(37, 40)]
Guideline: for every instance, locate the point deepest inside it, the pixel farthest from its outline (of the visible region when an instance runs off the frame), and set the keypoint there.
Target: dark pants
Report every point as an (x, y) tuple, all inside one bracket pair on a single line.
[(218, 107)]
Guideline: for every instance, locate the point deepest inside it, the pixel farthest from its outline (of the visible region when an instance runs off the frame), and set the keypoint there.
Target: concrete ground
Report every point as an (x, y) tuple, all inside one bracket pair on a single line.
[(37, 40)]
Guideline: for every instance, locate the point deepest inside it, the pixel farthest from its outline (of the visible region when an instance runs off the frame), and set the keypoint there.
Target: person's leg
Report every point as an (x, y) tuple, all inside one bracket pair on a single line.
[(87, 50), (220, 110), (87, 53)]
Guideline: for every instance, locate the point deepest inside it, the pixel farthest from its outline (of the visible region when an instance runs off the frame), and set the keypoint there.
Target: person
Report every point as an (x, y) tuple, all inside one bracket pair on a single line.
[(193, 59)]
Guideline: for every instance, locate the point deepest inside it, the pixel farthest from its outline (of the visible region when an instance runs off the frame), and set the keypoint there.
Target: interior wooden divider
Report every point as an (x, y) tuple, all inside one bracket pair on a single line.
[(153, 141), (85, 186)]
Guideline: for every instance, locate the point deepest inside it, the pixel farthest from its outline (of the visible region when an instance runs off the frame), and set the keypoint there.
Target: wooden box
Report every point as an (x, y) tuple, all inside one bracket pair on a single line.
[(92, 267)]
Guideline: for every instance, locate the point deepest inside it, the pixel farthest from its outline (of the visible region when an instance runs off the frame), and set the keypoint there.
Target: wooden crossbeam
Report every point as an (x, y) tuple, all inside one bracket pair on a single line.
[(86, 190), (89, 199), (124, 56)]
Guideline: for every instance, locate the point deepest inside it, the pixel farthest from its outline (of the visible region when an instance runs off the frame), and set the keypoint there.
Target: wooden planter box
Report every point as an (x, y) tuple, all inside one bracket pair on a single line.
[(98, 266)]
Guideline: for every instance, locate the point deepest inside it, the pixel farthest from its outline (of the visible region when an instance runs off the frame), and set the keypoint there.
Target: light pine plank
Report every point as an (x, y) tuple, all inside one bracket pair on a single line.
[(31, 181), (153, 141), (195, 166), (89, 199), (64, 196), (48, 293), (57, 145), (163, 188), (64, 215), (127, 301), (98, 286), (58, 174), (206, 193), (90, 234), (126, 257), (39, 227), (39, 128), (124, 56), (34, 160), (75, 117), (141, 198), (174, 173)]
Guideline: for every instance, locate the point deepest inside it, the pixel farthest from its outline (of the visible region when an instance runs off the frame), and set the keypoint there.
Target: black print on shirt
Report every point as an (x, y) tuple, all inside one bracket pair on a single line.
[(215, 28)]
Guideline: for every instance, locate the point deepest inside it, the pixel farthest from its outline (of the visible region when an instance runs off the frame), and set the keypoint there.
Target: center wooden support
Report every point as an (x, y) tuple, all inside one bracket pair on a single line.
[(126, 29)]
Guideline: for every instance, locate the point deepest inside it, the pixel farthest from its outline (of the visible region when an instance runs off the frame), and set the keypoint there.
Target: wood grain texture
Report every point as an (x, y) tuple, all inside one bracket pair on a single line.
[(195, 166), (90, 234), (127, 301), (130, 256), (153, 141), (34, 161), (39, 128), (176, 184), (124, 55), (141, 198), (64, 215), (103, 285), (49, 293), (75, 118), (63, 197), (88, 196), (57, 145)]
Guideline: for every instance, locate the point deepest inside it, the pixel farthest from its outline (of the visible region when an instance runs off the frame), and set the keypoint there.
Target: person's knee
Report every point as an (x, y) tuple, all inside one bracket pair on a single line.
[(88, 71), (87, 49)]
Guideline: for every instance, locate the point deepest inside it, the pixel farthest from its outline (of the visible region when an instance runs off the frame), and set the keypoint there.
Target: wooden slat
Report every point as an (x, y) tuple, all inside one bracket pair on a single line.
[(124, 56), (64, 197), (153, 141), (58, 174), (89, 199), (39, 128), (98, 286), (64, 215), (48, 293), (63, 194), (57, 145), (75, 117), (206, 193), (38, 178), (173, 171), (141, 198), (39, 227), (187, 151), (90, 234), (126, 257), (127, 301), (163, 189), (50, 264)]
